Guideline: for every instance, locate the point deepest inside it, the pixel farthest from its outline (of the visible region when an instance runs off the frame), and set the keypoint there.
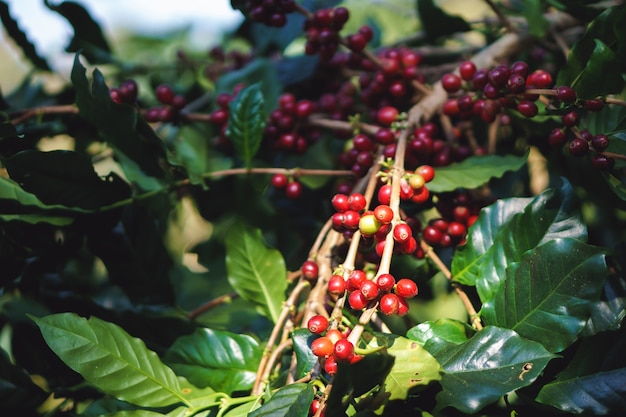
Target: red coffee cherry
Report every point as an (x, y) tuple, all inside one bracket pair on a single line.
[(426, 171), (330, 366), (317, 324), (336, 285), (383, 213), (343, 350), (370, 290), (406, 288), (309, 270), (322, 347), (357, 300), (357, 202), (389, 304), (385, 282), (340, 202), (280, 180), (402, 232)]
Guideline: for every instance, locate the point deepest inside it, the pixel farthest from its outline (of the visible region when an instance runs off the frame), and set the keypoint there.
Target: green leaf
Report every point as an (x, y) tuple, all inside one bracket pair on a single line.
[(474, 172), (119, 124), (111, 360), (290, 401), (261, 71), (224, 361), (439, 334), (617, 185), (13, 30), (246, 122), (318, 156), (547, 296), (533, 12), (593, 68), (243, 410), (507, 229), (609, 121), (608, 312), (88, 37), (256, 272), (413, 365), (437, 22), (491, 364), (65, 178), (593, 381), (305, 358)]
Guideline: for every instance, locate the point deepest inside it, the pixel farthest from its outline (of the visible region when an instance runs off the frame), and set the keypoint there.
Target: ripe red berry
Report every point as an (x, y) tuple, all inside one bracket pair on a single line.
[(406, 288), (351, 219), (317, 324), (385, 282), (356, 279), (421, 196), (370, 290), (129, 90), (309, 270), (340, 202), (520, 67), (384, 136), (527, 108), (467, 70), (384, 194), (357, 300), (403, 307), (578, 147), (344, 350), (516, 84), (387, 115), (457, 229), (330, 366), (602, 162), (600, 142), (451, 83), (594, 104), (557, 138), (426, 171), (383, 213), (357, 202), (336, 285), (402, 232), (293, 190), (322, 347), (279, 180), (432, 235), (570, 119), (389, 304), (480, 79), (164, 93), (566, 94), (499, 75), (116, 95), (540, 79)]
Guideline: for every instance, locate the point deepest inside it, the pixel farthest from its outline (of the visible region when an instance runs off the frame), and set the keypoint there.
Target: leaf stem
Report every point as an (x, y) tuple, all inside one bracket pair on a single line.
[(222, 299)]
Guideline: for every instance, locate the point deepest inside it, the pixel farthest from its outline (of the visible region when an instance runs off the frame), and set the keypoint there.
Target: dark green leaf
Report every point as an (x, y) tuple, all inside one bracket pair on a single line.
[(88, 37), (306, 360), (437, 335), (13, 30), (474, 172), (291, 401), (266, 38), (609, 121), (583, 10), (593, 68), (65, 178), (246, 122), (608, 312), (507, 229), (547, 296), (617, 185), (110, 359), (593, 382), (533, 12), (17, 390), (413, 365), (224, 361), (255, 271), (318, 156), (491, 364), (294, 69), (119, 124), (243, 410), (437, 22)]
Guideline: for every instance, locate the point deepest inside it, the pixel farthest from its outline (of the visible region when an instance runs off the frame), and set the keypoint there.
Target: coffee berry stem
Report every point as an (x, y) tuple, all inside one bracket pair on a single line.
[(616, 101), (342, 125)]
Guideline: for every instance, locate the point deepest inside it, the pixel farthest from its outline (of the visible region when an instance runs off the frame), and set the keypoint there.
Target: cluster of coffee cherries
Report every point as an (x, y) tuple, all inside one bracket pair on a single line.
[(171, 104), (291, 187), (283, 128), (270, 12), (125, 93), (322, 31), (458, 212), (332, 345)]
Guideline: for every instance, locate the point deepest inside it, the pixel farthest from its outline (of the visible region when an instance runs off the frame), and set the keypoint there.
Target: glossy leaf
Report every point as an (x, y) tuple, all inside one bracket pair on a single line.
[(243, 410), (440, 334), (547, 296), (246, 122), (489, 365), (437, 22), (17, 390), (290, 401), (224, 361), (608, 312), (119, 124), (533, 11), (474, 172), (305, 358), (593, 381), (111, 360), (609, 121), (255, 271), (65, 178), (88, 36), (260, 71), (593, 68), (507, 229), (15, 32), (413, 366)]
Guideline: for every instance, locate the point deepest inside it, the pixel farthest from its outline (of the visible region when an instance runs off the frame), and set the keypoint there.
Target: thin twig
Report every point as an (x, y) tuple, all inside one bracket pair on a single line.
[(222, 299), (504, 21)]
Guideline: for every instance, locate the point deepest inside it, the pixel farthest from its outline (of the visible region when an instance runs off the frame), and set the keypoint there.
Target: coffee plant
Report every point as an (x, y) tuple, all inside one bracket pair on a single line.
[(349, 208)]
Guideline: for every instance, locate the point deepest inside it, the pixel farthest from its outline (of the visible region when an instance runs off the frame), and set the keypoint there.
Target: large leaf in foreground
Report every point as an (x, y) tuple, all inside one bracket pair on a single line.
[(547, 296), (291, 401), (474, 172), (256, 272), (594, 380), (439, 334), (492, 363), (412, 366), (507, 229), (221, 360), (110, 359), (306, 360)]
